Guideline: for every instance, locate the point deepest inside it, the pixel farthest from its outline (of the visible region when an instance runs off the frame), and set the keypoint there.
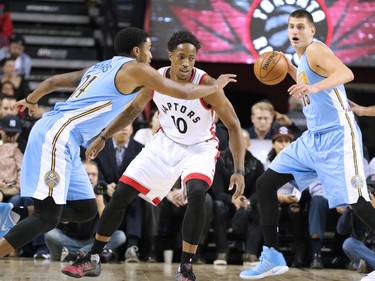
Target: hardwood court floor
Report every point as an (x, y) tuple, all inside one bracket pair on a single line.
[(23, 269)]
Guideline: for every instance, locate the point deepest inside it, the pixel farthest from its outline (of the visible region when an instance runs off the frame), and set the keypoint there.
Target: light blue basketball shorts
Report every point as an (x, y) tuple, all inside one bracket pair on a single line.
[(52, 165), (334, 157)]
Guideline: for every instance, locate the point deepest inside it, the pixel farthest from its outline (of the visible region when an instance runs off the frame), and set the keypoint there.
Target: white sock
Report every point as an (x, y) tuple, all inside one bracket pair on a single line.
[(95, 257)]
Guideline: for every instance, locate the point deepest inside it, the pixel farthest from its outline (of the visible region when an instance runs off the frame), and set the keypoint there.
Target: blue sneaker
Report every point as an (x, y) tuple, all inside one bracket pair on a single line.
[(7, 218), (271, 263)]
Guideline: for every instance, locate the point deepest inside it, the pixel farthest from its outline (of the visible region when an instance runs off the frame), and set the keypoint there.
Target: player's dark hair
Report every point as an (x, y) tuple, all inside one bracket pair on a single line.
[(302, 14), (181, 37), (128, 38)]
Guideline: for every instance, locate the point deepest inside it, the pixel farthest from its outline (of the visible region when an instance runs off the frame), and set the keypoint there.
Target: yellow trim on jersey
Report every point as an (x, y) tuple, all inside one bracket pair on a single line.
[(66, 124), (352, 136)]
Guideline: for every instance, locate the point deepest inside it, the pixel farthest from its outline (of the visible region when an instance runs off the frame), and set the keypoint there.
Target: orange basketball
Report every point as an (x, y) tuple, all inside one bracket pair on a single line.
[(271, 68)]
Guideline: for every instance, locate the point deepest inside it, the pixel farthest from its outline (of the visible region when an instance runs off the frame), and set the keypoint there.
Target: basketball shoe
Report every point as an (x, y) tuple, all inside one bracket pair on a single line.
[(271, 262), (185, 273), (88, 265), (8, 218), (131, 255)]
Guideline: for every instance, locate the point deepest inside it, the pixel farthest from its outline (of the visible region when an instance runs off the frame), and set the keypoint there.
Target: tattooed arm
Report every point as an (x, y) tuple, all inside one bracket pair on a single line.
[(126, 117)]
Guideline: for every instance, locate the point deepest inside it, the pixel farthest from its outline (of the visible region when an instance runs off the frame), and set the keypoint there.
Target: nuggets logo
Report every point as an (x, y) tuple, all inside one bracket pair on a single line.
[(268, 24), (52, 179), (357, 181)]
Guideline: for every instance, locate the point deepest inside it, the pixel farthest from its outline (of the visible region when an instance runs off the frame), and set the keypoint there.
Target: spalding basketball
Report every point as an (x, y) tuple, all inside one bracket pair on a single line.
[(271, 68)]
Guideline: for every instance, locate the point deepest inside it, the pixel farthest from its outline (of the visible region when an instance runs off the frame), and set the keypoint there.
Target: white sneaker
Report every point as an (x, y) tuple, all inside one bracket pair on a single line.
[(64, 253), (221, 259), (369, 277), (131, 255)]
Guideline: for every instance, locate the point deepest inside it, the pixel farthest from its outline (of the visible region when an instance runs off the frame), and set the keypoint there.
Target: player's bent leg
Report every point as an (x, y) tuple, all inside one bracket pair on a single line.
[(112, 216), (45, 217), (192, 227), (271, 263), (79, 210), (114, 211)]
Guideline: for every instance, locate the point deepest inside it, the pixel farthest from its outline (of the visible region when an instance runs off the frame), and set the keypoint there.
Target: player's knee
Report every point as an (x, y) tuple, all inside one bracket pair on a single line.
[(51, 236), (123, 195), (48, 221), (89, 211), (196, 191)]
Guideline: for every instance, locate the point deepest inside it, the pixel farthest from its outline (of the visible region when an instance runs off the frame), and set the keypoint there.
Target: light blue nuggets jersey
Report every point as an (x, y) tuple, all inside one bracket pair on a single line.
[(96, 101), (331, 148), (52, 166), (325, 110)]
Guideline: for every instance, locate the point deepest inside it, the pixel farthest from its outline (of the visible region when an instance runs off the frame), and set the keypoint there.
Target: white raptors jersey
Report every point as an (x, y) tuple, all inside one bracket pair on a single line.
[(185, 121)]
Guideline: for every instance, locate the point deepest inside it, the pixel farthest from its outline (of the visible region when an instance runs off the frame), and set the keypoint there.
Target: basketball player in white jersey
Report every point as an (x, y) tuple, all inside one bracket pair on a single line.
[(52, 172), (185, 146), (331, 148)]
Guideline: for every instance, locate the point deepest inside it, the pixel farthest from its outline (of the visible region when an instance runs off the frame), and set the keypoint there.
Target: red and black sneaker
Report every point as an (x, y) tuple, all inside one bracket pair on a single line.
[(185, 273), (83, 266)]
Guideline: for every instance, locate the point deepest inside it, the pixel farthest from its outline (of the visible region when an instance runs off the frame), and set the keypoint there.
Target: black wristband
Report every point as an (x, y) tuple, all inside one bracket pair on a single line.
[(103, 137), (29, 102), (238, 171)]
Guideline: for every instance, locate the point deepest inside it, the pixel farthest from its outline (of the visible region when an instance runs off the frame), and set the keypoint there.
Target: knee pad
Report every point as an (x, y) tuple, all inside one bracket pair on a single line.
[(196, 191)]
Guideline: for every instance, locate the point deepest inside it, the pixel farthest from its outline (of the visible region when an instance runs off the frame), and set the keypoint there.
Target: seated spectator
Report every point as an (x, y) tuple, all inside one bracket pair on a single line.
[(68, 240), (289, 197), (8, 106), (266, 120), (242, 212), (16, 51), (359, 247), (9, 73), (295, 113), (6, 24), (10, 157), (145, 135), (318, 208), (7, 89)]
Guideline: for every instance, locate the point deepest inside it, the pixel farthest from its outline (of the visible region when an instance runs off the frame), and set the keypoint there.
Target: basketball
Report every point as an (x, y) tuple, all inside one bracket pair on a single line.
[(270, 68)]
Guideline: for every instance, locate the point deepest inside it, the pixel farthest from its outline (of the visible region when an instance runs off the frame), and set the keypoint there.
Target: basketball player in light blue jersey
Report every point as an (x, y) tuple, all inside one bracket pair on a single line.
[(331, 148), (52, 172)]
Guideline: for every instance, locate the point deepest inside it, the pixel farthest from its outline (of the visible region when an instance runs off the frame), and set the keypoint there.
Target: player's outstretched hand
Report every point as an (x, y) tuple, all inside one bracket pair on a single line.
[(224, 79), (94, 148), (238, 181), (356, 108), (30, 106)]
